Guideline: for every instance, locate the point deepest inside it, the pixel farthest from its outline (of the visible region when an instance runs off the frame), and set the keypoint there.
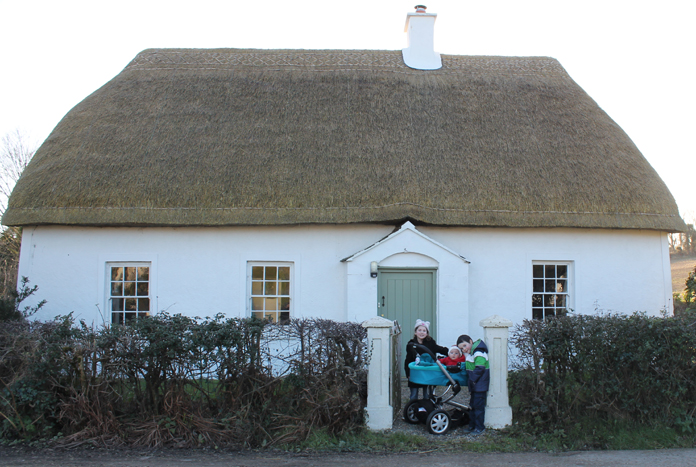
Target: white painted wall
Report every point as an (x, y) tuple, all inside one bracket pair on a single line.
[(202, 271)]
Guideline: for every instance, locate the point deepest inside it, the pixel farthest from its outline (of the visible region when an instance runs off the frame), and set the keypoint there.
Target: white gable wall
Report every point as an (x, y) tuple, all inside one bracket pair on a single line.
[(203, 271), (409, 248)]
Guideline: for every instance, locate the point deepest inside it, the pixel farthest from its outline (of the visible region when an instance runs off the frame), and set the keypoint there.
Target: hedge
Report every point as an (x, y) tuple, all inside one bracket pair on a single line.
[(180, 381), (635, 368)]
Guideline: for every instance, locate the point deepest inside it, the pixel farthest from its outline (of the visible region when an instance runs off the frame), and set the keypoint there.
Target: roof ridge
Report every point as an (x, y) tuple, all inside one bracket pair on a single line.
[(332, 60)]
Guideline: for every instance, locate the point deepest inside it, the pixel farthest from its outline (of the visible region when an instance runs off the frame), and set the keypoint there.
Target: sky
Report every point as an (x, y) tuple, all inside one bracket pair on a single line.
[(634, 58)]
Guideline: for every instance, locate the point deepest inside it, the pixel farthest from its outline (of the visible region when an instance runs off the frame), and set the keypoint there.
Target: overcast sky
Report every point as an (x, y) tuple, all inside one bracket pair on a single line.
[(634, 58)]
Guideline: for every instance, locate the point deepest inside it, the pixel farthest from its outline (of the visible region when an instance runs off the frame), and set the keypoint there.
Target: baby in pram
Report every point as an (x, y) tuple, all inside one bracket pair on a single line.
[(454, 357)]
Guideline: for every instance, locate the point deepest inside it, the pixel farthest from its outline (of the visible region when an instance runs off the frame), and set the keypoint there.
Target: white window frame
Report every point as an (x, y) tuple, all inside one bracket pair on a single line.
[(278, 314), (550, 304), (109, 297)]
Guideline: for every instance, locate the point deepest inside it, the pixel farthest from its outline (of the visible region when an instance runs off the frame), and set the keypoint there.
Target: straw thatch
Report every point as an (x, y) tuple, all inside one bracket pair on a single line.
[(249, 137)]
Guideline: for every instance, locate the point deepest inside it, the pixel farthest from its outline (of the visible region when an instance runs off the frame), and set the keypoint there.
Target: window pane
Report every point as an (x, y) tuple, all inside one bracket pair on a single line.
[(258, 314), (257, 288), (130, 316), (536, 300), (561, 286), (131, 273), (284, 317), (143, 289), (271, 304), (116, 274), (549, 300), (284, 288), (143, 273), (562, 270), (116, 304), (116, 289), (271, 273), (271, 317), (129, 289), (560, 300), (284, 273), (550, 286), (257, 303), (117, 318), (550, 271), (270, 288), (285, 303), (131, 304), (257, 272), (537, 313), (538, 271), (143, 304)]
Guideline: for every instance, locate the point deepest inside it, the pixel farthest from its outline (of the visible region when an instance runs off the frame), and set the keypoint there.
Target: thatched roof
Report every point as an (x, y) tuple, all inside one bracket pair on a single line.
[(248, 137)]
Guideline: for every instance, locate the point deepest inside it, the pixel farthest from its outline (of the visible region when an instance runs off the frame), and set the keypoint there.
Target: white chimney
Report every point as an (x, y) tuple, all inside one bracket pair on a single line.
[(420, 31)]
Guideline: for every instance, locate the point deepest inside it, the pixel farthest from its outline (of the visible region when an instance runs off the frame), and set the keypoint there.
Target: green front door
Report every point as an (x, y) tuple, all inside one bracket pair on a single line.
[(406, 295)]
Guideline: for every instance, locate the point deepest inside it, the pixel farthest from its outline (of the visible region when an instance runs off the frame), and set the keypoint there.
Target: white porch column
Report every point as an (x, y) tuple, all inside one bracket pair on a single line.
[(495, 335), (380, 414)]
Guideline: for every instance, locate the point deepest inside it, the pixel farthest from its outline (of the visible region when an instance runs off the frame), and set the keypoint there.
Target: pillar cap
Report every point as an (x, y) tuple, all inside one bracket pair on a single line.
[(495, 321), (378, 322)]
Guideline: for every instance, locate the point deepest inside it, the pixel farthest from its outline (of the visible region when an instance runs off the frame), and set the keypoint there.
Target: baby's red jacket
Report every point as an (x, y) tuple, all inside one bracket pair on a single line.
[(449, 362)]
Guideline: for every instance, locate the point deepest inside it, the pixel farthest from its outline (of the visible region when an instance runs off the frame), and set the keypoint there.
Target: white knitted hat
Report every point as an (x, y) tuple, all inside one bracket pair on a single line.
[(420, 322)]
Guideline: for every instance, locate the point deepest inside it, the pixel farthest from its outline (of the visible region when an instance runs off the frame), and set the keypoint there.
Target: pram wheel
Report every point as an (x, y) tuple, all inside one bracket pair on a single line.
[(411, 412), (438, 422)]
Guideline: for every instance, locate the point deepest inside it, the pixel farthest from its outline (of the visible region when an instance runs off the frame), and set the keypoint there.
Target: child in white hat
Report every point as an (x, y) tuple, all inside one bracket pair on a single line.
[(454, 357)]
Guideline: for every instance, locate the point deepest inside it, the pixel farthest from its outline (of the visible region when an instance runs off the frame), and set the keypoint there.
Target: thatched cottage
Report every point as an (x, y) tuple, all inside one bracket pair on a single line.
[(343, 184)]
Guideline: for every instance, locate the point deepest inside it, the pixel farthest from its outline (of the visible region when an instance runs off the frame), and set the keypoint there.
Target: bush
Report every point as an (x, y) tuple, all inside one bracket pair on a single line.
[(690, 290), (179, 381), (576, 368), (11, 303)]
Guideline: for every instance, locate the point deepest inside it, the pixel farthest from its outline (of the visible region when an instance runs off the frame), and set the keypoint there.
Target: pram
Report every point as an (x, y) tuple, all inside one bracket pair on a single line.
[(430, 372)]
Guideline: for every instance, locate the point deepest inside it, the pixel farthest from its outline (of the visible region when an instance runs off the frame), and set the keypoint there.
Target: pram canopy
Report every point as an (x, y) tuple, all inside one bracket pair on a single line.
[(428, 373)]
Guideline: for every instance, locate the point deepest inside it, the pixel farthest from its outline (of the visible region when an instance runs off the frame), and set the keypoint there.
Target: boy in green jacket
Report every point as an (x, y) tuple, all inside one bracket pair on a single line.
[(479, 374)]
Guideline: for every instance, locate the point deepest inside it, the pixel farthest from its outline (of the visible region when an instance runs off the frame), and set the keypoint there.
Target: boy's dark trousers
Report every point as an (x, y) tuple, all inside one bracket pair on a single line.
[(478, 410)]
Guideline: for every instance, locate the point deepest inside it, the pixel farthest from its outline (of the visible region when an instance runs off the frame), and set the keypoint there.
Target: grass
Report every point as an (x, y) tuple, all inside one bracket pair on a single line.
[(616, 435), (399, 442), (681, 267), (587, 435)]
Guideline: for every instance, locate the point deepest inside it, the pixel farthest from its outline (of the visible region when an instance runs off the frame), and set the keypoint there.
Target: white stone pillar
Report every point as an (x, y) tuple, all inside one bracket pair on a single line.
[(380, 414), (495, 334)]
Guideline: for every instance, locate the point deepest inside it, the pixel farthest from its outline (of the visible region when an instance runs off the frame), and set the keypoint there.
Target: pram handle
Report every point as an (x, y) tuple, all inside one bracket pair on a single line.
[(455, 385), (424, 349)]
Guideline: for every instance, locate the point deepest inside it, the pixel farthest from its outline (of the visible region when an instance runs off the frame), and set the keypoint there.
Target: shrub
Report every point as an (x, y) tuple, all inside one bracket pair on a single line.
[(690, 290), (11, 303), (578, 367)]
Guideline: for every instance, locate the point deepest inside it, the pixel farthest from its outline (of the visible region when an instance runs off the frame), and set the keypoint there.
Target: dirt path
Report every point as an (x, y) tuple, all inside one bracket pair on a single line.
[(50, 458)]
